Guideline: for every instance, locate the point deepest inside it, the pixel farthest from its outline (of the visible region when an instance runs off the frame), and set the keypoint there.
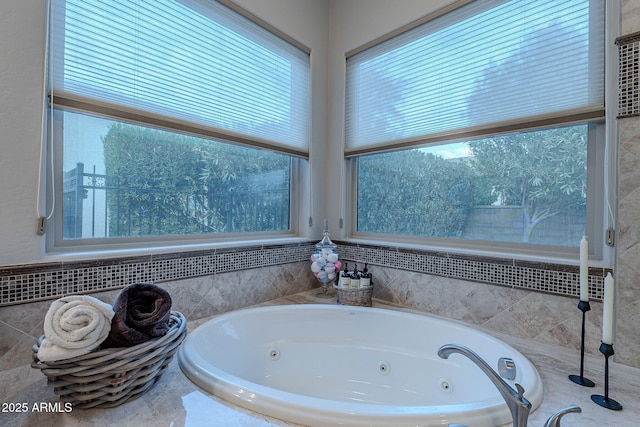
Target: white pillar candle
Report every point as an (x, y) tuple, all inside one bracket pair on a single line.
[(584, 269), (607, 310)]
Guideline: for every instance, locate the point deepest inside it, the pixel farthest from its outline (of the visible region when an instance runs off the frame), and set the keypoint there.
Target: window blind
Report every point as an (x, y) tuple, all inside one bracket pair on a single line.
[(190, 65), (486, 67)]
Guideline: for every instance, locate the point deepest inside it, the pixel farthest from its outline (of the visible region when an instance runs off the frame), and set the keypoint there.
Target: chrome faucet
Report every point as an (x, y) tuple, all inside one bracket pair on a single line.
[(517, 403), (519, 406)]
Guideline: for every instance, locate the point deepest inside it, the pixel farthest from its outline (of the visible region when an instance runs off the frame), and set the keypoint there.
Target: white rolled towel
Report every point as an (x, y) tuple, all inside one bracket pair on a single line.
[(73, 326)]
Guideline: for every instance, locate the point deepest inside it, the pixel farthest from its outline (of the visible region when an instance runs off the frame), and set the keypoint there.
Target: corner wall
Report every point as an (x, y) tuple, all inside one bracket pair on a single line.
[(627, 343)]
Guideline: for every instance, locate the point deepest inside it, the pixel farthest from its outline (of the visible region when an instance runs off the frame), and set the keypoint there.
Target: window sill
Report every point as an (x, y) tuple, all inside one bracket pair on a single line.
[(165, 248), (500, 252)]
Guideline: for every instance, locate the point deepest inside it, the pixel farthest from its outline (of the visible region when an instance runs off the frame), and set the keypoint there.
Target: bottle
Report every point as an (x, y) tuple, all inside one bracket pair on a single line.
[(365, 279), (345, 278), (355, 277)]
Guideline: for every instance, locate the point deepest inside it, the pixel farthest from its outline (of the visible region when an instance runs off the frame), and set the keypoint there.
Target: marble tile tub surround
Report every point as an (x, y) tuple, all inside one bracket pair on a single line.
[(36, 282), (536, 276), (205, 283), (628, 212), (27, 283), (175, 401), (628, 242)]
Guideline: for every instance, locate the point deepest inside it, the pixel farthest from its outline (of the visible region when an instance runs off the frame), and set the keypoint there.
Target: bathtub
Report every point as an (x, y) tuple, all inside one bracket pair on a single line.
[(326, 365)]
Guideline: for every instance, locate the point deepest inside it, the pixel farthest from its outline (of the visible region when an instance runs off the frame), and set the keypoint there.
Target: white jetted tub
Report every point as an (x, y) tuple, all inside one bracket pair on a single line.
[(330, 365)]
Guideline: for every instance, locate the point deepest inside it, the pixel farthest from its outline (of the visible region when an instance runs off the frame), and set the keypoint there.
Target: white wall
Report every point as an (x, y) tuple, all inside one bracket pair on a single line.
[(22, 45), (22, 36)]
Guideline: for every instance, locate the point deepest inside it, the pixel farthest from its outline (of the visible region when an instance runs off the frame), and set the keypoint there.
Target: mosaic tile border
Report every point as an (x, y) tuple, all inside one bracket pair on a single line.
[(628, 75), (36, 282), (542, 277)]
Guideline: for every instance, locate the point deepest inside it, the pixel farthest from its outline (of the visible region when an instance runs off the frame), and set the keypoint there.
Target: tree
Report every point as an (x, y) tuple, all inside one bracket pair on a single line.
[(165, 183), (542, 171), (413, 193), (150, 174)]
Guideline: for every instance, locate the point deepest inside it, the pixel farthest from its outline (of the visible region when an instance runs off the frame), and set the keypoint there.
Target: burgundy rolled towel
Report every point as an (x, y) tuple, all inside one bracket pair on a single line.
[(142, 312)]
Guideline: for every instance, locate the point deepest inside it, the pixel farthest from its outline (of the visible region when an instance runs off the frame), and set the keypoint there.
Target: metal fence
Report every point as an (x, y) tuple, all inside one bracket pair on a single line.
[(99, 205)]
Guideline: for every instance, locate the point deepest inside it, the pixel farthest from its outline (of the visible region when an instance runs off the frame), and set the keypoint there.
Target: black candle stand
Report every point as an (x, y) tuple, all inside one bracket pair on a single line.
[(605, 401), (584, 306)]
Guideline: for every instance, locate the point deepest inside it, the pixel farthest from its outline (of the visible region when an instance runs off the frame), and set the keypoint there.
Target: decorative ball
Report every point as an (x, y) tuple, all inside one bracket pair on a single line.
[(324, 264)]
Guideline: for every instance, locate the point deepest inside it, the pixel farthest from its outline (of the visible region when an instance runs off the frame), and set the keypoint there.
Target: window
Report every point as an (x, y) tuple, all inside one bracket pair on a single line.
[(173, 119), (139, 181), (484, 124), (524, 187)]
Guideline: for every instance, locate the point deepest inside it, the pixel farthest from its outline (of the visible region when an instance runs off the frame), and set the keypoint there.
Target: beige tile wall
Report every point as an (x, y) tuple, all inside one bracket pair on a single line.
[(196, 297), (627, 344)]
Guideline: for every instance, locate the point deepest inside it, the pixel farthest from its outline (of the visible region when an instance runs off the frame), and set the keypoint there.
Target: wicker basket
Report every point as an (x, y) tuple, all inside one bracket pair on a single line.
[(113, 376), (354, 296)]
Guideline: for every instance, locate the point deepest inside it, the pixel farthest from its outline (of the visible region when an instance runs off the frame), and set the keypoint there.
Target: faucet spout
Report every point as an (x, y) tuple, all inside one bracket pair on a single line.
[(514, 398)]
